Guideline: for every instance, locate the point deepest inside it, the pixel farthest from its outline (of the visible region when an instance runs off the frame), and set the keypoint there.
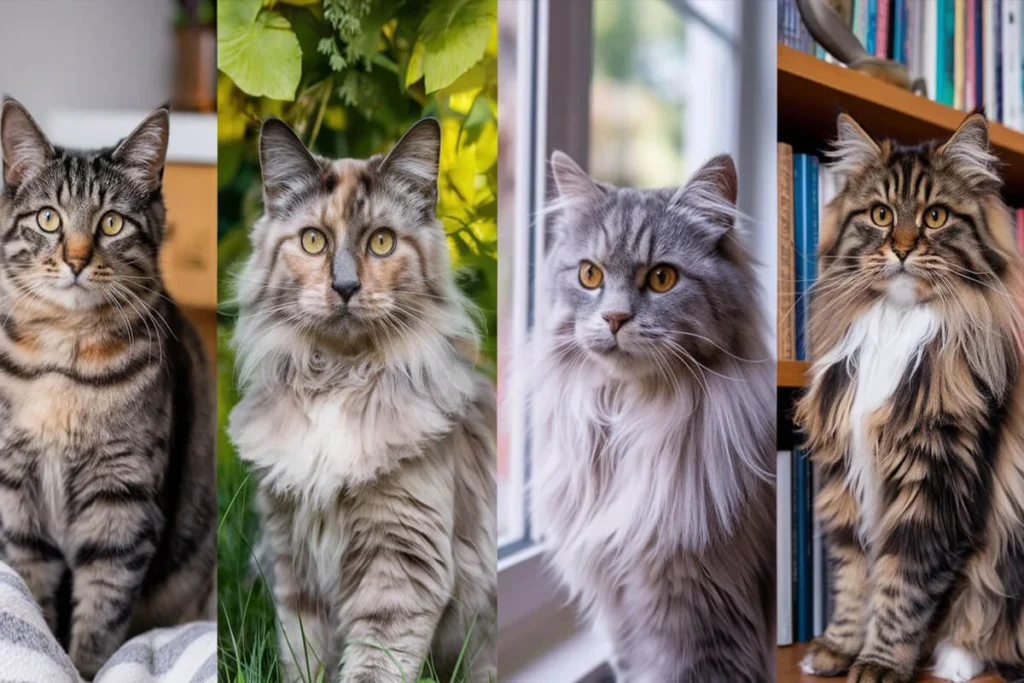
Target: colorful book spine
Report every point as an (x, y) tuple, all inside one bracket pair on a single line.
[(979, 51), (946, 51), (784, 546), (872, 32), (803, 544), (785, 332), (818, 566), (860, 21), (930, 51), (997, 48), (959, 54), (900, 40), (882, 29), (1011, 64), (805, 238)]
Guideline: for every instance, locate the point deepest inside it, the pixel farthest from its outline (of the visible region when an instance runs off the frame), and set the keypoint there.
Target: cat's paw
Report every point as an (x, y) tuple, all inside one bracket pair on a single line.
[(955, 664), (822, 659), (865, 671)]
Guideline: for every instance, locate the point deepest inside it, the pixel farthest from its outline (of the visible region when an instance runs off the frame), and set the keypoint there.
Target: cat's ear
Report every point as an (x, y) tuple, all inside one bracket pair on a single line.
[(968, 149), (143, 153), (853, 148), (712, 191), (287, 166), (571, 181), (25, 149), (416, 157)]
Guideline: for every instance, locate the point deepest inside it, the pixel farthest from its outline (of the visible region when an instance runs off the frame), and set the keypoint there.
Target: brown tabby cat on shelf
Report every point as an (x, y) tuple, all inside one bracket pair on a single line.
[(915, 411), (107, 497)]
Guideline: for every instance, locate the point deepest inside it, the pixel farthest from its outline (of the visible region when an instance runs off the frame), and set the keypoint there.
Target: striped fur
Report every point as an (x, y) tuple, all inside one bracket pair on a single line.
[(654, 441), (370, 431), (915, 411), (107, 494)]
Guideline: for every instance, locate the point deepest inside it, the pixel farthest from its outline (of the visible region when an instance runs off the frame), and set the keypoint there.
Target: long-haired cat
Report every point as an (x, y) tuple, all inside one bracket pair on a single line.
[(654, 397), (915, 411), (369, 430), (107, 498)]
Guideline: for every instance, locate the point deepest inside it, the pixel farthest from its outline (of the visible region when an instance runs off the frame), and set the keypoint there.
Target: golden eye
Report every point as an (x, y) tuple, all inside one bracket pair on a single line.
[(662, 278), (935, 216), (591, 276), (313, 241), (112, 223), (881, 216), (382, 242), (48, 219)]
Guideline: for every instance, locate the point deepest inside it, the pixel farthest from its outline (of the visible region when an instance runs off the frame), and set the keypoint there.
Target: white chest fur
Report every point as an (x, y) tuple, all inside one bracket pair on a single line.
[(884, 345)]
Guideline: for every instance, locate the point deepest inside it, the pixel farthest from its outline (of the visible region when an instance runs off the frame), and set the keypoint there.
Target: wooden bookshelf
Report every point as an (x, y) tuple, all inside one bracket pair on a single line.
[(792, 373), (813, 92), (788, 669)]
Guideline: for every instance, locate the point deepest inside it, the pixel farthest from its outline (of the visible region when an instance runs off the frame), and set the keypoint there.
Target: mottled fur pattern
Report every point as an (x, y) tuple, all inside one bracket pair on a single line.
[(370, 431), (107, 497), (655, 439), (921, 457)]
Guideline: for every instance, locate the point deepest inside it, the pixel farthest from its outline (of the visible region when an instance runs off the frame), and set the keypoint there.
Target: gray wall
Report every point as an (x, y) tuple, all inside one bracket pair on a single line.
[(91, 54)]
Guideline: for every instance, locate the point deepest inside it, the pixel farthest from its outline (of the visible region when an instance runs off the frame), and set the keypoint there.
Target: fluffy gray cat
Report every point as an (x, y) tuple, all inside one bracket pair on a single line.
[(654, 398), (368, 428)]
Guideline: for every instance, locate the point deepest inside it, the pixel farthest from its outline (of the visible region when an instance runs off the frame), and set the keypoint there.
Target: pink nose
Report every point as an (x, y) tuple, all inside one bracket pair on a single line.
[(616, 320)]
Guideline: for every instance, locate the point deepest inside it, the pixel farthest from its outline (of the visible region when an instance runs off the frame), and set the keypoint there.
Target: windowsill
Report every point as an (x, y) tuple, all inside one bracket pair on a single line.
[(540, 635)]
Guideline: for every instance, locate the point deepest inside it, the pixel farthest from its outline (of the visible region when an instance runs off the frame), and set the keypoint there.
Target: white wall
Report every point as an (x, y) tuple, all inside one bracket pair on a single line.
[(90, 54)]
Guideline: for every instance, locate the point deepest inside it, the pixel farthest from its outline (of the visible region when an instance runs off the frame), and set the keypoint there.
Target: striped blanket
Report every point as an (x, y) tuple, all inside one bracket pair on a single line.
[(30, 654)]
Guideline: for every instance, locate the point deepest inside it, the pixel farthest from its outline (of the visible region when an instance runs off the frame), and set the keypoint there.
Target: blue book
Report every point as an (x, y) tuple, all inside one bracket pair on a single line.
[(872, 26), (803, 541), (899, 31), (946, 51), (805, 240)]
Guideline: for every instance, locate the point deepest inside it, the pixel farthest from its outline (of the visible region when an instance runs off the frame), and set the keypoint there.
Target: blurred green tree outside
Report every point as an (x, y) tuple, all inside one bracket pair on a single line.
[(350, 77)]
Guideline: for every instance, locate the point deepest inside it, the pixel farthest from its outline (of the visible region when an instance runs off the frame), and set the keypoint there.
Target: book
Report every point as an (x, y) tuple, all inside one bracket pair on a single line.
[(930, 51), (1011, 96), (803, 550), (945, 51), (805, 240), (786, 293), (784, 547), (988, 58), (819, 596), (900, 35), (959, 54), (882, 30), (872, 32), (997, 47)]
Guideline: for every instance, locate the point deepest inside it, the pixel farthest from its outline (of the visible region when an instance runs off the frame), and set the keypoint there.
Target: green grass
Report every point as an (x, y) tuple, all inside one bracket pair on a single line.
[(247, 639)]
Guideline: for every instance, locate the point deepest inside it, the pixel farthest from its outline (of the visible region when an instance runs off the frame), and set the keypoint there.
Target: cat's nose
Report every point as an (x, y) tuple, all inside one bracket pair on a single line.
[(346, 288), (616, 320), (77, 265)]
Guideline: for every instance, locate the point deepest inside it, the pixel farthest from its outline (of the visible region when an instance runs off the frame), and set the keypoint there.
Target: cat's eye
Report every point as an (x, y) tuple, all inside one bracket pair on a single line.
[(881, 215), (591, 276), (382, 242), (935, 216), (112, 223), (313, 241), (662, 278), (48, 219)]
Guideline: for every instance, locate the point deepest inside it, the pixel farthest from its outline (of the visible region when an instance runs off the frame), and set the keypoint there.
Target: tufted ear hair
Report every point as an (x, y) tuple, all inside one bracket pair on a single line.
[(712, 191), (853, 149), (571, 181), (24, 146), (143, 153), (968, 148), (286, 165), (416, 157)]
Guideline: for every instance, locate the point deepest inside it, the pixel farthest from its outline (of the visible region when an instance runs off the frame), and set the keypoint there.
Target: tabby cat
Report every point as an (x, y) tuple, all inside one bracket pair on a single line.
[(370, 432), (915, 411), (107, 497), (654, 397)]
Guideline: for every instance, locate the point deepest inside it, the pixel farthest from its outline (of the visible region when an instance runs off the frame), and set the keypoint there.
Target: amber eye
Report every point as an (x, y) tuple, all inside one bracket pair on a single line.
[(935, 216), (313, 241), (881, 215), (48, 219), (111, 223), (591, 276), (662, 278), (382, 242)]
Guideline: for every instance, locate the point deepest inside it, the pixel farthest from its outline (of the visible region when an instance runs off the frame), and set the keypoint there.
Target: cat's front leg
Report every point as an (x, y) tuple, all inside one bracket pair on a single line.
[(28, 548), (922, 538), (114, 526), (303, 632), (834, 651)]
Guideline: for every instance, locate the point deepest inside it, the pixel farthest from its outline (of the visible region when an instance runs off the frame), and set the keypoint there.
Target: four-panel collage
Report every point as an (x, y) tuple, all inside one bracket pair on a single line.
[(541, 341)]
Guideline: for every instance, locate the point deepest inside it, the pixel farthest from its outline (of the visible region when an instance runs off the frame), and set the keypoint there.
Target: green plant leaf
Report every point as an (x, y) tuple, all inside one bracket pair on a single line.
[(257, 49), (455, 34)]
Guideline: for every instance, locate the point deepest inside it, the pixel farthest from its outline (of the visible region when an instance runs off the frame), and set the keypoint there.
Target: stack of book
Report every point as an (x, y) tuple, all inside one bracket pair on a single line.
[(968, 52)]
